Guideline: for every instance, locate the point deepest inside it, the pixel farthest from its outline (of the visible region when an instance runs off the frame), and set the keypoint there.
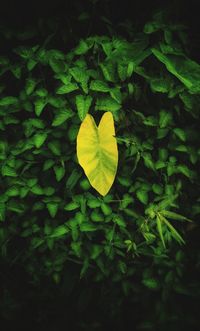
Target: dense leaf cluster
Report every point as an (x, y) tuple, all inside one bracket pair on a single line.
[(47, 204)]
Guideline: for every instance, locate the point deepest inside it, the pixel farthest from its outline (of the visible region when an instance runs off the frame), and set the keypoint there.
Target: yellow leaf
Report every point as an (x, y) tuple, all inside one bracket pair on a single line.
[(97, 151)]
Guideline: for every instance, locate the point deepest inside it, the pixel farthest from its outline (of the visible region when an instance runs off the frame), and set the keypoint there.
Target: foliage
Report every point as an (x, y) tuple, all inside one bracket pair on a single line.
[(48, 205)]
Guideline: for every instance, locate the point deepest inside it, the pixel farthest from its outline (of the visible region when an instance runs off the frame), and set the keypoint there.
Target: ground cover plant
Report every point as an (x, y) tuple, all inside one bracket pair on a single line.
[(133, 239)]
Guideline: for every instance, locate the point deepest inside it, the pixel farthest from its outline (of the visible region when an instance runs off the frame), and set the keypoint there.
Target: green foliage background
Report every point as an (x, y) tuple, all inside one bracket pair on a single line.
[(127, 248)]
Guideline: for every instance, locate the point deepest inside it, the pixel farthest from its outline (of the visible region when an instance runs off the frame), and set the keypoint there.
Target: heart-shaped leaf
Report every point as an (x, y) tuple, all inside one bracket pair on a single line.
[(97, 151)]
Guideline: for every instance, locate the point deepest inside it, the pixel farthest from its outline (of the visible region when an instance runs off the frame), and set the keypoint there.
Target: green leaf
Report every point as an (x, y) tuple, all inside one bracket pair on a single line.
[(96, 250), (165, 118), (163, 154), (31, 182), (2, 211), (87, 227), (30, 86), (116, 94), (181, 148), (151, 283), (96, 216), (99, 86), (161, 133), (81, 76), (31, 64), (157, 189), (150, 121), (64, 89), (107, 104), (59, 172), (60, 230), (37, 123), (8, 171), (71, 206), (37, 189), (149, 163), (119, 221), (12, 191), (76, 247), (106, 209), (174, 233), (8, 101), (126, 200), (41, 92), (16, 71), (182, 168), (142, 196), (55, 147), (39, 103), (151, 27), (23, 192), (24, 52), (16, 207), (48, 164), (122, 71), (83, 104), (52, 208), (160, 231), (180, 133), (93, 203), (55, 54), (48, 190), (57, 65), (82, 48), (107, 48), (36, 242), (124, 181), (57, 102), (108, 71), (73, 179), (39, 139), (174, 216), (186, 70), (61, 116), (84, 267), (161, 85)]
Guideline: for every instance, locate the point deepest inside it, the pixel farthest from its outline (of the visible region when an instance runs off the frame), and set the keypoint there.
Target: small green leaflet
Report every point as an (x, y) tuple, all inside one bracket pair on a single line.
[(80, 75), (59, 172), (59, 231), (82, 48), (180, 133), (55, 147), (8, 171), (61, 116), (83, 104), (160, 230), (165, 118), (73, 179), (99, 86), (52, 208), (39, 139), (64, 89), (39, 103), (30, 86), (2, 211), (108, 71), (174, 233), (174, 216), (57, 65), (8, 101), (107, 104)]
